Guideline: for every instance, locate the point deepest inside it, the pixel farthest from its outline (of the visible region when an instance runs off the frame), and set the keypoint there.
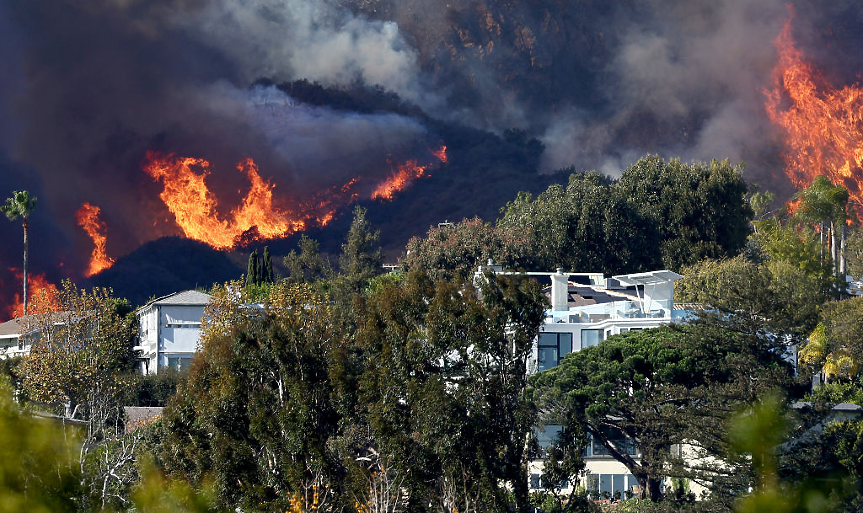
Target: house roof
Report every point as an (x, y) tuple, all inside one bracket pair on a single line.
[(12, 328), (187, 297), (648, 278), (583, 295), (29, 323)]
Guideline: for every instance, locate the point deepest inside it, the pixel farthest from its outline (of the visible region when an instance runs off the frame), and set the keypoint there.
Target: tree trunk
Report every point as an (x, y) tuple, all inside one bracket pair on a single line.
[(843, 269), (26, 229), (834, 253), (652, 489), (821, 241)]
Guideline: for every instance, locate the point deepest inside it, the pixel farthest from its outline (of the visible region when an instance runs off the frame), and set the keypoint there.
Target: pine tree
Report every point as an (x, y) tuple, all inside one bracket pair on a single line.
[(252, 275), (267, 271), (361, 257)]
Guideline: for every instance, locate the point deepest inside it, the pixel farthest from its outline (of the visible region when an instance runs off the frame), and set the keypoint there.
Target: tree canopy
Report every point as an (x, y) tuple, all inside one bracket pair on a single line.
[(654, 389)]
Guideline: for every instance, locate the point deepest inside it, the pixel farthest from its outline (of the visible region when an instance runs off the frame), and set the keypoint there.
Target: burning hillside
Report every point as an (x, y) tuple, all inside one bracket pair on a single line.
[(232, 123), (258, 217), (822, 125)]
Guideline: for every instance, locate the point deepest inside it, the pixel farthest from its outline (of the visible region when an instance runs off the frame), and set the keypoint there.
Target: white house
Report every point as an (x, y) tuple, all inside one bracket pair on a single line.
[(13, 339), (587, 308), (169, 330)]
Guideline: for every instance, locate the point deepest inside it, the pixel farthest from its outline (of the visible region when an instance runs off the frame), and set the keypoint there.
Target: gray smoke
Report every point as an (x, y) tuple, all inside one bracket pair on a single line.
[(691, 82), (89, 86)]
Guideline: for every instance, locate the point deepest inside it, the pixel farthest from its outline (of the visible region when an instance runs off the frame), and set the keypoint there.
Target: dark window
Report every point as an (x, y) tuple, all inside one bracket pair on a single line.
[(551, 348), (590, 337)]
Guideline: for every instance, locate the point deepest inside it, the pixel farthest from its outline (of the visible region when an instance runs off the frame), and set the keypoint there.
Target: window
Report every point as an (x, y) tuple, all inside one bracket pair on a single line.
[(590, 337), (617, 486), (547, 436), (179, 362), (538, 481), (551, 348), (595, 448)]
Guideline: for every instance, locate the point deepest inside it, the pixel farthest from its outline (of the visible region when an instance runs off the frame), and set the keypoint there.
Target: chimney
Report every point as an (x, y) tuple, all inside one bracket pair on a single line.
[(559, 290)]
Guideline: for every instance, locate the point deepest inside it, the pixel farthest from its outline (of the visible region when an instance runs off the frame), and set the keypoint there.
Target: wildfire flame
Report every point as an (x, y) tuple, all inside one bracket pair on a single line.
[(823, 125), (196, 212), (195, 208), (440, 153), (43, 295), (405, 174), (88, 219)]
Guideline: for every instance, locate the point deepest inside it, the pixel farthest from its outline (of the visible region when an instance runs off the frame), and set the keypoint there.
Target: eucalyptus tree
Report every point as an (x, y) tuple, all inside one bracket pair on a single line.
[(826, 205), (19, 206)]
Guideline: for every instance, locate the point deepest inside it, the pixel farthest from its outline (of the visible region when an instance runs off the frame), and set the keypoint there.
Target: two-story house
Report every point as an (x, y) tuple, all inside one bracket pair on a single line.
[(169, 330), (587, 308)]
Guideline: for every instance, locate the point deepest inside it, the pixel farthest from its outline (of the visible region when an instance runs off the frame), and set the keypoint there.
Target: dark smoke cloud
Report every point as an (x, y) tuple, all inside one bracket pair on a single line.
[(689, 79), (93, 86), (89, 86)]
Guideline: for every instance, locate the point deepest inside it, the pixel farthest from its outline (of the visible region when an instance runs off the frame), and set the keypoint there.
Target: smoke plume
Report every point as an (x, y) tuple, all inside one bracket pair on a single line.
[(90, 86)]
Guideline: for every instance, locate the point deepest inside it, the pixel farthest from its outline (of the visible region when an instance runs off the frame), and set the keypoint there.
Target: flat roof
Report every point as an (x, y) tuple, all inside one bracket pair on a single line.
[(648, 278)]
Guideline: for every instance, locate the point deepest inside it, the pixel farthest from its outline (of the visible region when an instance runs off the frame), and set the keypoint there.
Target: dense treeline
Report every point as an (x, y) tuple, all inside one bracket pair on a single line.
[(657, 215), (338, 388)]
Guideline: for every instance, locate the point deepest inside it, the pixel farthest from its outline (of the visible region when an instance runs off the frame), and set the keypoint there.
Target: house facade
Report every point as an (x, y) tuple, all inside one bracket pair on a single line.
[(587, 308), (13, 337), (169, 331)]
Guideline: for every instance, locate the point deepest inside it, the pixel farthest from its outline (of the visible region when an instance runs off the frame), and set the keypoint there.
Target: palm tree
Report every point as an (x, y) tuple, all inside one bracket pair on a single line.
[(20, 205)]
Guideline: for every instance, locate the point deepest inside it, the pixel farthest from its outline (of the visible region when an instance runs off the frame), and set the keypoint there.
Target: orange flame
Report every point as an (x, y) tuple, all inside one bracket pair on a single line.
[(187, 196), (195, 208), (88, 219), (43, 295), (406, 174), (440, 153), (823, 126)]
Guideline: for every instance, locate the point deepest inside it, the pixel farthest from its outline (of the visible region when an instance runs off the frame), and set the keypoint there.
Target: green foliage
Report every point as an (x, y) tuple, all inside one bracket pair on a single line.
[(822, 202), (151, 389), (797, 247), (37, 462), (759, 432), (659, 387), (361, 257), (699, 209), (307, 266), (456, 250), (586, 225), (836, 344), (773, 296), (19, 205), (267, 275), (258, 411), (443, 385), (854, 251), (660, 214), (838, 392), (79, 352), (253, 271)]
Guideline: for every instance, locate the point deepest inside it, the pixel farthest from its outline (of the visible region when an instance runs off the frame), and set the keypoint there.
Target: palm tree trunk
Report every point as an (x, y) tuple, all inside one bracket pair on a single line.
[(26, 229), (834, 253), (843, 266)]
